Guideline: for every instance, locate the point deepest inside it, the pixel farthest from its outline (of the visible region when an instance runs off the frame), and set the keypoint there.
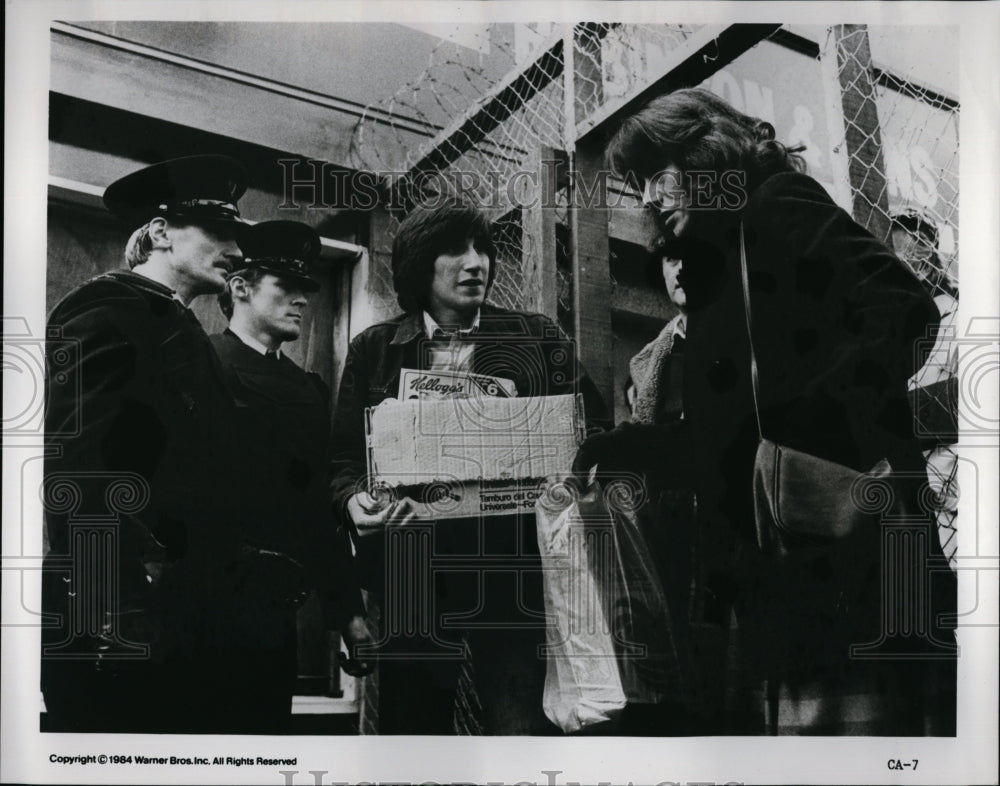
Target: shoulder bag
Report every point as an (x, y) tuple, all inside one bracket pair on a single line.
[(801, 499)]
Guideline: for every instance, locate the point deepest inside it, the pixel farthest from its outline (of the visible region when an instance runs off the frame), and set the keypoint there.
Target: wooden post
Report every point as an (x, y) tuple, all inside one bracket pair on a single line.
[(539, 239), (870, 203), (373, 299), (592, 277)]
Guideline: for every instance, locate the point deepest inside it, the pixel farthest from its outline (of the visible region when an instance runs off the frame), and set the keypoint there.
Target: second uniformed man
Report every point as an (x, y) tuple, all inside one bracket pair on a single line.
[(285, 425)]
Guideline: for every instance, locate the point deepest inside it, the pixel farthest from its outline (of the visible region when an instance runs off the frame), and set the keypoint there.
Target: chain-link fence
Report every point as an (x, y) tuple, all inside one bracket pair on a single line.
[(614, 62), (877, 135), (901, 136), (487, 119), (483, 122), (480, 122), (907, 154)]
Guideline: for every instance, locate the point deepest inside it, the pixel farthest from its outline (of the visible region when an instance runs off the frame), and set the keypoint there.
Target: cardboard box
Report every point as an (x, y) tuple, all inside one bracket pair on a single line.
[(471, 456)]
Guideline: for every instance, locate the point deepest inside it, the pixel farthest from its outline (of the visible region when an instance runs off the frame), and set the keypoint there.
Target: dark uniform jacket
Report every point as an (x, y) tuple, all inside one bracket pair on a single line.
[(284, 417), (140, 433)]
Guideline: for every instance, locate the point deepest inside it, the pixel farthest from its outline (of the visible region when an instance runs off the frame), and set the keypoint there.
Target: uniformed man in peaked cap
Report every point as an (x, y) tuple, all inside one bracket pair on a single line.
[(285, 425), (151, 584)]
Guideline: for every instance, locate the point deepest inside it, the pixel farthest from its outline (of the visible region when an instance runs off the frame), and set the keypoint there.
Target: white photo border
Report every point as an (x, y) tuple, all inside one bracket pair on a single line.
[(27, 754)]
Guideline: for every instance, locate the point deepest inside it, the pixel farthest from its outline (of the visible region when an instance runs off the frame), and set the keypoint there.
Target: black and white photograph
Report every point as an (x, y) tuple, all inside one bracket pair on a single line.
[(501, 392)]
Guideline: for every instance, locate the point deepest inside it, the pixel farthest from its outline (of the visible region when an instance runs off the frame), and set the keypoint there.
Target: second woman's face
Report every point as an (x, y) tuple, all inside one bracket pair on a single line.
[(671, 269), (665, 193)]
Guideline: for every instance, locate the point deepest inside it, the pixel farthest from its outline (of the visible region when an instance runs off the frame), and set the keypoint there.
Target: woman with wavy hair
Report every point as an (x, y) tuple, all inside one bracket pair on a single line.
[(835, 319)]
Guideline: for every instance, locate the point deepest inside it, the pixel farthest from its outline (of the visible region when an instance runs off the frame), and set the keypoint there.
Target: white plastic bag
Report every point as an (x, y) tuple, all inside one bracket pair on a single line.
[(582, 682)]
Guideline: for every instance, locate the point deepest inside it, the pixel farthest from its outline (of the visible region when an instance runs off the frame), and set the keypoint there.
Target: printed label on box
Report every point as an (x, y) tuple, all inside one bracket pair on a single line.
[(449, 384), (474, 498)]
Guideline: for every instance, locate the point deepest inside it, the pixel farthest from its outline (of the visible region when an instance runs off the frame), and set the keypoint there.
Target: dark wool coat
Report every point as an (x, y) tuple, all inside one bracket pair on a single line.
[(140, 429), (284, 467), (836, 318), (836, 321)]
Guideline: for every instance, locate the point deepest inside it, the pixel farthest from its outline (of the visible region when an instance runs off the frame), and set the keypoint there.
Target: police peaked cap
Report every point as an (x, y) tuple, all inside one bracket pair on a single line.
[(284, 248), (201, 189)]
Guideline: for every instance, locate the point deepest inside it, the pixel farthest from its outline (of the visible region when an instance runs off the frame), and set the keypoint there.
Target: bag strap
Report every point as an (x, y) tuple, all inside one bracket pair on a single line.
[(746, 310)]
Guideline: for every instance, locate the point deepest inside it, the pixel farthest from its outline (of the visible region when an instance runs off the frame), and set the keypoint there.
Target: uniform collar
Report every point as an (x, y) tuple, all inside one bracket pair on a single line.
[(145, 282), (251, 342)]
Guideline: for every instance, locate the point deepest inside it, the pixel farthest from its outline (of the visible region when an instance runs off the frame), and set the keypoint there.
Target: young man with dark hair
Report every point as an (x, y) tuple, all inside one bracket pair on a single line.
[(444, 263), (428, 233)]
